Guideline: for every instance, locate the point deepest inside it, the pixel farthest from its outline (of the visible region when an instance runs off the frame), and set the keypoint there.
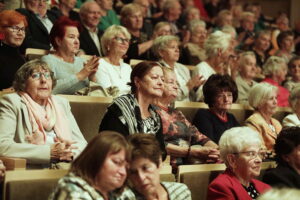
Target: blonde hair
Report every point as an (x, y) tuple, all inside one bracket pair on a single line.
[(194, 24), (161, 43), (243, 56), (294, 97), (128, 9), (272, 65)]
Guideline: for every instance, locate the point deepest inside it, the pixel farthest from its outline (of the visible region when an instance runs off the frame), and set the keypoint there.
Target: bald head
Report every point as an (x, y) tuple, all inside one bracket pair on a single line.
[(90, 14)]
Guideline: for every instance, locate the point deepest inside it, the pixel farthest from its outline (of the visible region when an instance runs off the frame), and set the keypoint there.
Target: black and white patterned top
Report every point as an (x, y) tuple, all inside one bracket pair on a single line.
[(253, 193)]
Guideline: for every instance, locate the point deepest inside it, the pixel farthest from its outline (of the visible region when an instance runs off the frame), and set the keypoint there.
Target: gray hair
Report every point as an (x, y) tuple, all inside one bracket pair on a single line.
[(260, 93), (128, 9), (26, 70), (272, 65), (294, 97), (217, 40), (245, 15), (110, 33), (161, 43), (169, 4), (236, 139), (230, 30), (244, 55), (194, 24), (84, 7)]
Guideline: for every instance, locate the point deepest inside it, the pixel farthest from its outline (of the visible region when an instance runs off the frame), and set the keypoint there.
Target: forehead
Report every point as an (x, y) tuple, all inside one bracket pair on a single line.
[(155, 70), (71, 30), (265, 36), (92, 7), (170, 75)]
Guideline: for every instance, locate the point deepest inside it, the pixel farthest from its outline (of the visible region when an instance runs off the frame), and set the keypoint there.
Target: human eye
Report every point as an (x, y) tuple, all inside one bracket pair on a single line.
[(47, 75), (118, 162), (35, 75)]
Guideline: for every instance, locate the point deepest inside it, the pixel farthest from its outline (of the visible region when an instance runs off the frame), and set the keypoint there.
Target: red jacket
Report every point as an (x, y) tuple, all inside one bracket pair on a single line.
[(227, 187)]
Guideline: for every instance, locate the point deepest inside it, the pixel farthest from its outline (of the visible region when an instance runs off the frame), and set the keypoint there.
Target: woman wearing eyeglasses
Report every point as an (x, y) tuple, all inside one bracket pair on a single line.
[(12, 34), (36, 125), (242, 151), (112, 71)]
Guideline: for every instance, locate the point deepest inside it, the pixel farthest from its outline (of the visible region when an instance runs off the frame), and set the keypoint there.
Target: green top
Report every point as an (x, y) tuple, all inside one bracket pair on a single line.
[(108, 20)]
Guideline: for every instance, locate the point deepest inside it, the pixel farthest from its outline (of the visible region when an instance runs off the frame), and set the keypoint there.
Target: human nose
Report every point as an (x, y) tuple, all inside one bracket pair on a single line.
[(122, 171), (141, 176)]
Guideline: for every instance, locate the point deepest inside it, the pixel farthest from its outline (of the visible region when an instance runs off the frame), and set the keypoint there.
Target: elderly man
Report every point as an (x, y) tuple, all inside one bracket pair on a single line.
[(109, 16), (90, 36), (40, 21)]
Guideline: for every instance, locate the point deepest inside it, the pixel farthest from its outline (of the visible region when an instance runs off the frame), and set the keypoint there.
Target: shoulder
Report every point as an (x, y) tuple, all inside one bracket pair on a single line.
[(255, 117), (203, 113), (178, 190), (291, 120), (13, 99), (60, 100)]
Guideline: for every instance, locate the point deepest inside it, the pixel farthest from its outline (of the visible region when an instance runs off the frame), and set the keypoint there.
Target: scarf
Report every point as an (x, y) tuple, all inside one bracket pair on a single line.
[(44, 119)]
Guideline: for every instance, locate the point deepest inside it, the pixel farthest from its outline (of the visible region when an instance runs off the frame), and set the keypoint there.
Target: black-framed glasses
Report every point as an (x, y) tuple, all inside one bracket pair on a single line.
[(253, 154), (122, 40), (38, 75)]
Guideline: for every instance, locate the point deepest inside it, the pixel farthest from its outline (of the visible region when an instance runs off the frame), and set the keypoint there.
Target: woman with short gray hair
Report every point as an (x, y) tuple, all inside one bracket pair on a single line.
[(112, 71), (275, 70), (167, 50), (242, 150), (294, 100), (263, 98)]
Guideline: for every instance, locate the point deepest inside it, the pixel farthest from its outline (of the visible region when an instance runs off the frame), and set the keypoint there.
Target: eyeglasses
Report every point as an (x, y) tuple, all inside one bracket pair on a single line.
[(16, 29), (43, 1), (253, 154), (38, 75), (121, 40)]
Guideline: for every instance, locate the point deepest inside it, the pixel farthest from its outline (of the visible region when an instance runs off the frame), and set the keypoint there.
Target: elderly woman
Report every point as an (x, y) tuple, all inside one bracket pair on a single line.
[(12, 34), (294, 72), (162, 28), (36, 125), (242, 151), (71, 71), (293, 119), (220, 91), (287, 148), (112, 71), (146, 161), (133, 113), (217, 49), (183, 139), (166, 48), (275, 70), (263, 98), (247, 72), (97, 172), (194, 52), (285, 42)]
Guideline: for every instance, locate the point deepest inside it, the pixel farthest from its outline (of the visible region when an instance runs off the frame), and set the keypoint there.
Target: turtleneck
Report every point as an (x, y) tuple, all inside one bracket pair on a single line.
[(10, 61)]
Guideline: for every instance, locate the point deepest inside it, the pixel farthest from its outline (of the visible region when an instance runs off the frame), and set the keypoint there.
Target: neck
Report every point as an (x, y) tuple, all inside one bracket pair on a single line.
[(144, 103), (244, 182), (103, 192), (163, 102), (247, 79), (276, 79), (159, 194), (266, 116), (219, 112), (64, 9), (215, 64), (259, 51), (135, 32), (113, 59), (170, 63), (103, 12), (66, 56)]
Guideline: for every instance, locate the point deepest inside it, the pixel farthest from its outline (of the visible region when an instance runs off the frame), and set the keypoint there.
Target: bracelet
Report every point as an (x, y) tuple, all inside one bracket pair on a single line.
[(188, 152)]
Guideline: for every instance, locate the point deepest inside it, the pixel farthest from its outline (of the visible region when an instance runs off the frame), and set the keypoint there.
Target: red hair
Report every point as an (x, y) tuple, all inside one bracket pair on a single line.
[(59, 29), (11, 18)]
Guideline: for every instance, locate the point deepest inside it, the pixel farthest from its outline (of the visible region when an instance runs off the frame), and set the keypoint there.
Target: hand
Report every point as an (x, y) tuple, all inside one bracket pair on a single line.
[(62, 150), (206, 153), (2, 171), (89, 68), (195, 82)]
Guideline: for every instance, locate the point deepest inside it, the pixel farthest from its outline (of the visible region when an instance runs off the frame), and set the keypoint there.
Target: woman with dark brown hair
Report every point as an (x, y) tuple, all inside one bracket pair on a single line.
[(133, 113), (97, 172)]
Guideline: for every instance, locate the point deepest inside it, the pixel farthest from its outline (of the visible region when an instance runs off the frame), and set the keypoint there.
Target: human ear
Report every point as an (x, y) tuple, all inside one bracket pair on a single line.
[(231, 159)]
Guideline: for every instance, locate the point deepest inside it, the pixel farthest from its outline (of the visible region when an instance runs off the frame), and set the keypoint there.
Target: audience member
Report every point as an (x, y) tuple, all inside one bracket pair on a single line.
[(213, 7), (90, 35), (282, 23), (246, 32), (65, 8), (280, 193), (146, 162), (242, 151), (294, 73), (71, 71), (247, 73), (147, 21), (224, 18), (285, 41), (293, 119), (167, 50), (112, 71), (220, 91), (40, 21), (263, 98), (261, 46), (184, 142), (133, 113), (12, 26), (162, 28), (108, 15), (287, 172), (275, 70), (98, 172), (36, 125)]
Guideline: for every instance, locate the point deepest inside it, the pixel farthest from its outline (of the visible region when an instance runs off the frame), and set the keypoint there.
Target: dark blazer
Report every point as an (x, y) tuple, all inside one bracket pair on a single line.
[(37, 35), (227, 186), (87, 44), (282, 176)]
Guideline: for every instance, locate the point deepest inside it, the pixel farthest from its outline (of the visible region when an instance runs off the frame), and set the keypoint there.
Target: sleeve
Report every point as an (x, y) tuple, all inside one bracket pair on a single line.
[(204, 124), (12, 128), (218, 191), (103, 77)]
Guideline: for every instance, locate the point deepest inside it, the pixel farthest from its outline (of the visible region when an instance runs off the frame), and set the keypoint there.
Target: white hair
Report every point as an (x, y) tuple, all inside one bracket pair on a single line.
[(215, 41), (162, 42), (294, 97), (259, 94), (194, 24), (272, 65), (237, 139)]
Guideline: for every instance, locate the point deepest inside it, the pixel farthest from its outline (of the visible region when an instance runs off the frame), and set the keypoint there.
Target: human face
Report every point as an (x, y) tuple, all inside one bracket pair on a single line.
[(144, 5), (248, 69), (113, 172), (120, 45), (245, 165), (270, 105), (248, 23), (105, 4), (170, 86), (227, 20), (175, 11), (42, 7), (263, 42), (293, 158), (281, 73), (199, 35), (32, 5), (193, 14), (69, 3), (70, 42), (295, 70), (39, 86), (171, 52), (151, 85), (287, 43), (14, 35), (164, 30), (135, 20), (223, 100), (91, 17), (144, 175)]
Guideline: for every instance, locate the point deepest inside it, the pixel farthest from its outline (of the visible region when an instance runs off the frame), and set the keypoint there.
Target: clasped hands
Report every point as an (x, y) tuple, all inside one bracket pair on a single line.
[(62, 150)]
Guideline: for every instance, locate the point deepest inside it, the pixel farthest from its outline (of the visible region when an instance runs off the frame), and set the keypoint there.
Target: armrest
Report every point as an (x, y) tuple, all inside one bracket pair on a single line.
[(13, 163)]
